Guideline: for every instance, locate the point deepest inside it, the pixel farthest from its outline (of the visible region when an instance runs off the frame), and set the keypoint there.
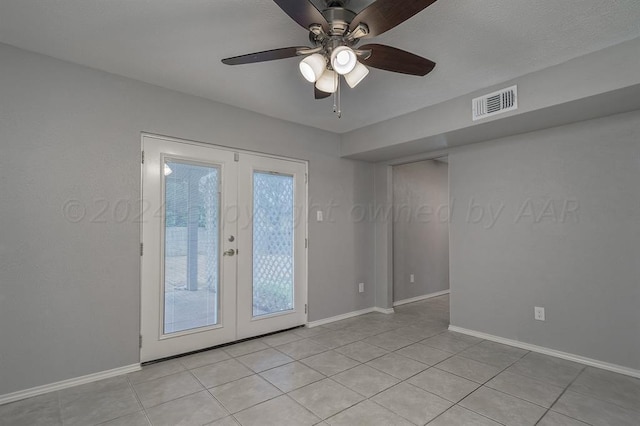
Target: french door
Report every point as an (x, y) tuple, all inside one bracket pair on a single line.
[(224, 254)]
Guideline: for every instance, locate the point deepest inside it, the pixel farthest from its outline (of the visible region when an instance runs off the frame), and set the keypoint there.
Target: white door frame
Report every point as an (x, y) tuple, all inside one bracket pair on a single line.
[(301, 299), (247, 324)]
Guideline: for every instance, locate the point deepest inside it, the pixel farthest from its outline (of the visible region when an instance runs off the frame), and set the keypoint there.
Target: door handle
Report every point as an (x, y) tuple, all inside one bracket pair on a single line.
[(229, 252)]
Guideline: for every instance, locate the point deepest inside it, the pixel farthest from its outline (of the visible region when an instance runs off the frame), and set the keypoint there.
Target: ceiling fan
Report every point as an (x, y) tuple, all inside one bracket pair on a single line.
[(334, 33)]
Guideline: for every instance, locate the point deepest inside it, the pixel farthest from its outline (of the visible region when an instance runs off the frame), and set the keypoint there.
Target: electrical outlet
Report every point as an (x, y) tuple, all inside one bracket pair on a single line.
[(361, 287), (412, 278), (538, 313), (319, 216)]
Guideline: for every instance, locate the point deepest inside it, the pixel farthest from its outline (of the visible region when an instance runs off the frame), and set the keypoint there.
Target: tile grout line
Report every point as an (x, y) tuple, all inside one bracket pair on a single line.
[(479, 387), (144, 410), (309, 411), (361, 364), (346, 408), (204, 388), (560, 396), (282, 393), (598, 398), (465, 408), (484, 384), (397, 414)]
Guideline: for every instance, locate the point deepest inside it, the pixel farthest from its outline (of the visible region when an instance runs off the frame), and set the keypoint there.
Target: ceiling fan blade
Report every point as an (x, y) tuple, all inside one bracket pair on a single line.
[(303, 12), (267, 55), (383, 15), (392, 59), (319, 94)]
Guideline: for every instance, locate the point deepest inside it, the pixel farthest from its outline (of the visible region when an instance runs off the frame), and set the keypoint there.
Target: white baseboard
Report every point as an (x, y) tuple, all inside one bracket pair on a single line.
[(419, 298), (349, 315), (64, 384), (552, 352), (385, 311), (339, 317)]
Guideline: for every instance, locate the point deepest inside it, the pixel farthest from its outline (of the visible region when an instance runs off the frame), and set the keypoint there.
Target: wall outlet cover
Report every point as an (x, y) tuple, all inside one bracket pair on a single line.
[(361, 287), (538, 313)]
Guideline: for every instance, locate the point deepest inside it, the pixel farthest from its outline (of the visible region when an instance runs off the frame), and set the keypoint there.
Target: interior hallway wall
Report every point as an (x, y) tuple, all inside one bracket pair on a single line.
[(551, 219), (420, 229)]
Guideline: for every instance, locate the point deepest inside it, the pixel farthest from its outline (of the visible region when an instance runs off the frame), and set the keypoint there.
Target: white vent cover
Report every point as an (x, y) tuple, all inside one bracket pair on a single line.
[(495, 103)]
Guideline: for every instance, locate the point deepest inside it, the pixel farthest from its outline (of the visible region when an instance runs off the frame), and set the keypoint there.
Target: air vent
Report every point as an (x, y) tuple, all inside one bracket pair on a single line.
[(495, 103)]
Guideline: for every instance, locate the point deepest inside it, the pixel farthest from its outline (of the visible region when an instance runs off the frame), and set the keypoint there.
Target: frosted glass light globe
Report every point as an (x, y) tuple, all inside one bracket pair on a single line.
[(343, 60)]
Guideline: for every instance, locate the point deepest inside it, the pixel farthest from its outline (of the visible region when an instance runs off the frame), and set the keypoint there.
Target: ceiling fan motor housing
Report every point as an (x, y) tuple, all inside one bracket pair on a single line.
[(339, 19)]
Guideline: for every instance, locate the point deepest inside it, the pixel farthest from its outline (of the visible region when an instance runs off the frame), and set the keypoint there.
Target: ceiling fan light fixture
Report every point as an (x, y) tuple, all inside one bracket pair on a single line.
[(312, 67), (334, 33), (360, 31), (343, 60), (328, 82), (357, 75)]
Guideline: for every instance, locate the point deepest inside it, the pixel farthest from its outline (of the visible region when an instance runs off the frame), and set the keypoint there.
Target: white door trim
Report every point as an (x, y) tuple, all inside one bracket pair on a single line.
[(248, 325), (236, 152), (158, 343)]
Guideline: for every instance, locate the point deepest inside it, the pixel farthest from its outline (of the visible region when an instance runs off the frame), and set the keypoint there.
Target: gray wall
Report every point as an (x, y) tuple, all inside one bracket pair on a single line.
[(420, 229), (567, 238), (383, 219), (69, 292)]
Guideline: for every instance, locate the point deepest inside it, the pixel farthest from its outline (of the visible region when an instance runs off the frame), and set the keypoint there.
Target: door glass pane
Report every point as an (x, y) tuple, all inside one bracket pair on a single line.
[(273, 221), (191, 285)]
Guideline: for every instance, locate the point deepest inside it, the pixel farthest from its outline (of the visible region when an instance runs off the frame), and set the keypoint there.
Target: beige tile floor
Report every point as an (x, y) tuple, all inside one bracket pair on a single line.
[(399, 369)]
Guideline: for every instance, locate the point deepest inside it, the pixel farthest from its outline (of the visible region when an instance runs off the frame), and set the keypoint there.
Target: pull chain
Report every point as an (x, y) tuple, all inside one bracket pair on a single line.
[(336, 99)]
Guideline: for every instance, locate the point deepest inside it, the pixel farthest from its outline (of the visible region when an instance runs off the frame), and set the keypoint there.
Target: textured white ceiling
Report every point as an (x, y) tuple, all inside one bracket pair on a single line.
[(179, 45)]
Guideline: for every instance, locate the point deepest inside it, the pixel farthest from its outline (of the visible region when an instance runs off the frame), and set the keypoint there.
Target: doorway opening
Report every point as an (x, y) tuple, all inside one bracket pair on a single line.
[(421, 216)]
